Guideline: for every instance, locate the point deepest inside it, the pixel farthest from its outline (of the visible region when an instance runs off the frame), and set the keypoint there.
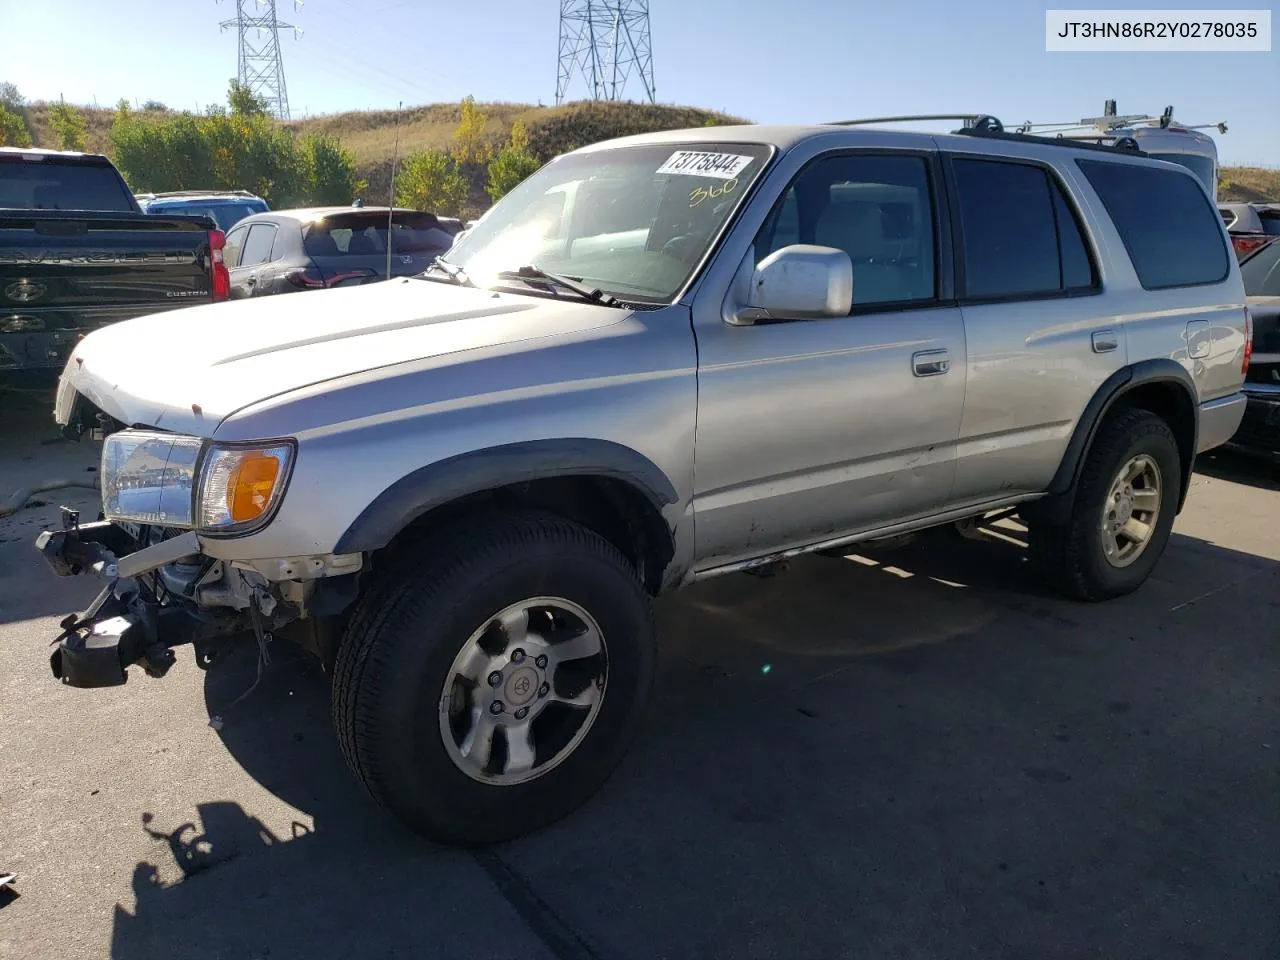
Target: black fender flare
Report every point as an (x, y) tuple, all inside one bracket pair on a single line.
[(1112, 390), (489, 468)]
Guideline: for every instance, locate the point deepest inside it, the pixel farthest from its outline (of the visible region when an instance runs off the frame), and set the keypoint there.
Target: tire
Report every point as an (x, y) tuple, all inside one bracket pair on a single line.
[(1072, 557), (406, 636)]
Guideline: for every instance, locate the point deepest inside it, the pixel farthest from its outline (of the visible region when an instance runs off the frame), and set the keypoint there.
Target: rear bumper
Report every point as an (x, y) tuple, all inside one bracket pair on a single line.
[(1219, 420), (45, 350), (127, 623), (1260, 427)]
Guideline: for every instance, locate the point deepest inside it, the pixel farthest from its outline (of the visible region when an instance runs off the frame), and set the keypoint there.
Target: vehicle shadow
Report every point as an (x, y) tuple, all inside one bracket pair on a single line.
[(1248, 467), (913, 752)]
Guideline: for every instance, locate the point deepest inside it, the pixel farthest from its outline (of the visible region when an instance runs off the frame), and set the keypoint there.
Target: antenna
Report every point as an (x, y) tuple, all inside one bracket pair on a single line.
[(605, 42), (259, 66), (391, 200)]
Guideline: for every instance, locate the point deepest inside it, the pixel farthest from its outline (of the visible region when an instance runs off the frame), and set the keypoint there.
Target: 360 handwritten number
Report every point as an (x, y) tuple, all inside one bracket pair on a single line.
[(700, 194)]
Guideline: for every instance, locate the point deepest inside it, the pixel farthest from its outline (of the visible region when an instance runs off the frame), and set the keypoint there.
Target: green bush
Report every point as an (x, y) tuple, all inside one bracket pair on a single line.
[(13, 129), (431, 180), (68, 126), (330, 171)]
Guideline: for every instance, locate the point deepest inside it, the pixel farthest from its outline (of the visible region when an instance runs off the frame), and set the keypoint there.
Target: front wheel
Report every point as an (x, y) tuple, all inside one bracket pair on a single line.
[(1122, 513), (492, 682)]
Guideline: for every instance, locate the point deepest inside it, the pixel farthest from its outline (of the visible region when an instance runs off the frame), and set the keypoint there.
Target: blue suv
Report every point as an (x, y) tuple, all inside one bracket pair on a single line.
[(225, 207)]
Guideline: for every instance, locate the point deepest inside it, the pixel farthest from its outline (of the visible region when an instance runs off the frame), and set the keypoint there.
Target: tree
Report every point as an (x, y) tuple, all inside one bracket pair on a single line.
[(512, 164), (67, 124), (430, 180), (244, 102), (330, 171), (519, 139), (13, 129), (10, 98), (469, 145), (154, 106)]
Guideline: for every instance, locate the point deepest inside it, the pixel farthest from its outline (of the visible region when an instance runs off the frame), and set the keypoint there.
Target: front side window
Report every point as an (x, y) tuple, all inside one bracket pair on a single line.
[(634, 221), (878, 209), (1168, 225), (1019, 235), (257, 249)]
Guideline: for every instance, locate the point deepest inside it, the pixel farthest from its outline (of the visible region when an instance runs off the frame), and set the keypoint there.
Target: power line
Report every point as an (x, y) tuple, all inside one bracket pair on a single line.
[(605, 42), (259, 65)]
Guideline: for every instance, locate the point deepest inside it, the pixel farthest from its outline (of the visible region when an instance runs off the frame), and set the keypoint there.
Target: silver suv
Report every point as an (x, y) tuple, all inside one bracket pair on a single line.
[(659, 359)]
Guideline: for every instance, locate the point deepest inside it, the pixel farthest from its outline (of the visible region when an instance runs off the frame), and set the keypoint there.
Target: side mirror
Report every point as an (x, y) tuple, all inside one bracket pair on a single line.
[(799, 282)]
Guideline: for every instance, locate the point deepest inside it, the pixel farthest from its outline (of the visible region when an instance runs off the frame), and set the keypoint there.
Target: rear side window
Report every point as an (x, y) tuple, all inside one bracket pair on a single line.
[(1019, 234), (1166, 221), (1270, 222)]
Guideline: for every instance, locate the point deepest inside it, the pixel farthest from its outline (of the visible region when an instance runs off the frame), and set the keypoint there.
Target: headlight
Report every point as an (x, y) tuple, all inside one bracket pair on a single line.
[(240, 486), (185, 482), (149, 477)]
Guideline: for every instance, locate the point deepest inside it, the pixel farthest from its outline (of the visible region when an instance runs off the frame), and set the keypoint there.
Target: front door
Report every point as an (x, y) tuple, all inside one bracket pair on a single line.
[(812, 429), (248, 272)]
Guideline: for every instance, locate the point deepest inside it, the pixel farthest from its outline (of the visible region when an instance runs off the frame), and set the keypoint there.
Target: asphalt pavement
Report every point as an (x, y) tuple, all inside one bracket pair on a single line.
[(913, 753)]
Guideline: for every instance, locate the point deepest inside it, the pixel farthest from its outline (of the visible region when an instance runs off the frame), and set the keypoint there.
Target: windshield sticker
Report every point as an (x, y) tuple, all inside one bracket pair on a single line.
[(698, 194), (698, 163)]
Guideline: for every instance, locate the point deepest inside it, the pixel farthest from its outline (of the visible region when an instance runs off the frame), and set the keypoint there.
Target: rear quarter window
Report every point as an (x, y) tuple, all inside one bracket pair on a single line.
[(1173, 234)]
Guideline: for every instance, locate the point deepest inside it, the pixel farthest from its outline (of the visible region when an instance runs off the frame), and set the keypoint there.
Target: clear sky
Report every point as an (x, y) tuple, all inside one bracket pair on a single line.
[(807, 60)]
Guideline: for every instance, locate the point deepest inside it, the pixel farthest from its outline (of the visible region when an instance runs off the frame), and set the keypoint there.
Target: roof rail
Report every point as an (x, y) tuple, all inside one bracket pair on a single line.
[(198, 193), (1082, 142), (971, 120)]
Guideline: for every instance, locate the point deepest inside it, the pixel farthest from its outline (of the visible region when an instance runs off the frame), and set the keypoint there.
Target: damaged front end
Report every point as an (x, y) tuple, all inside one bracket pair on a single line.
[(157, 596)]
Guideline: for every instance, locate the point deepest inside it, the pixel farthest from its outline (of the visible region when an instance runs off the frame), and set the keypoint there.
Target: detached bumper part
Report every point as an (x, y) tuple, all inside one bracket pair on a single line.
[(95, 654), (124, 625)]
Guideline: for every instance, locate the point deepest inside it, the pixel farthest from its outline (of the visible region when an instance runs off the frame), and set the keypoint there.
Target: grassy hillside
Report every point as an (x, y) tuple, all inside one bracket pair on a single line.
[(371, 135)]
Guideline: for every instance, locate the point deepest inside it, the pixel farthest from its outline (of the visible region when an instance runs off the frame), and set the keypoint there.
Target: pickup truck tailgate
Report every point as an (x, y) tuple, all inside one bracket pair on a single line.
[(64, 274)]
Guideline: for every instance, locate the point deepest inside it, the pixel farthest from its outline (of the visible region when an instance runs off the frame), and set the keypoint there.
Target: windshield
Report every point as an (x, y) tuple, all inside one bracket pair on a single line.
[(633, 221), (1203, 167)]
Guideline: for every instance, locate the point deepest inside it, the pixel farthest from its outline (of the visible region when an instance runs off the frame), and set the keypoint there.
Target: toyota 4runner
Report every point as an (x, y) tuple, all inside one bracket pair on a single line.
[(658, 359)]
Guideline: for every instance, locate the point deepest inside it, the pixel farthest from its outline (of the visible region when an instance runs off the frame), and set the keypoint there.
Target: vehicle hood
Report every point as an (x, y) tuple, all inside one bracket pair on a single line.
[(186, 370)]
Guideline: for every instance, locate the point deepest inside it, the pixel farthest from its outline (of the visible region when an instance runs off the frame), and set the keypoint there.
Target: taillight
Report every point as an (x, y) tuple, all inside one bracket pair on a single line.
[(221, 276), (1248, 342), (306, 278), (1247, 244)]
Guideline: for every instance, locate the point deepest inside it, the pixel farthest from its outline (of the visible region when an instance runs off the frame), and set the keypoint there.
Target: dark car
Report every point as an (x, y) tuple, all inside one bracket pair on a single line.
[(320, 247), (1261, 426), (226, 208)]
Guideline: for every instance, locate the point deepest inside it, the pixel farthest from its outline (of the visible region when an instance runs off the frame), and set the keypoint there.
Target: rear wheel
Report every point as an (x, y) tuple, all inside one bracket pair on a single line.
[(1122, 513), (494, 680)]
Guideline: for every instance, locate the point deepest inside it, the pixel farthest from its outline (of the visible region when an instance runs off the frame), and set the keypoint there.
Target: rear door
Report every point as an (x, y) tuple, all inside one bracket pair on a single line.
[(1039, 344)]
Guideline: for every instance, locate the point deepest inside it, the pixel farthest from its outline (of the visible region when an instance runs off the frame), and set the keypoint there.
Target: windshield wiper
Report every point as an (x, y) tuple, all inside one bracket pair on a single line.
[(532, 273), (452, 271)]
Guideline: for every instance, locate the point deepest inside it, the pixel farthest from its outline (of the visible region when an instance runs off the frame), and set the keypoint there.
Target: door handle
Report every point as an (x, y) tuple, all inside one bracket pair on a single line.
[(1104, 341), (250, 281), (930, 363)]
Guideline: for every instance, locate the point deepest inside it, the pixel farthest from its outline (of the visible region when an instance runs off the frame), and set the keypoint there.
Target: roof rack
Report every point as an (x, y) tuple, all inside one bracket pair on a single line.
[(196, 193), (970, 120), (1093, 127), (986, 125)]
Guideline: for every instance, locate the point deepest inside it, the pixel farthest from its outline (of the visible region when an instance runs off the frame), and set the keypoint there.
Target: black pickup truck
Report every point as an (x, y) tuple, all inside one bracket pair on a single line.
[(76, 252)]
